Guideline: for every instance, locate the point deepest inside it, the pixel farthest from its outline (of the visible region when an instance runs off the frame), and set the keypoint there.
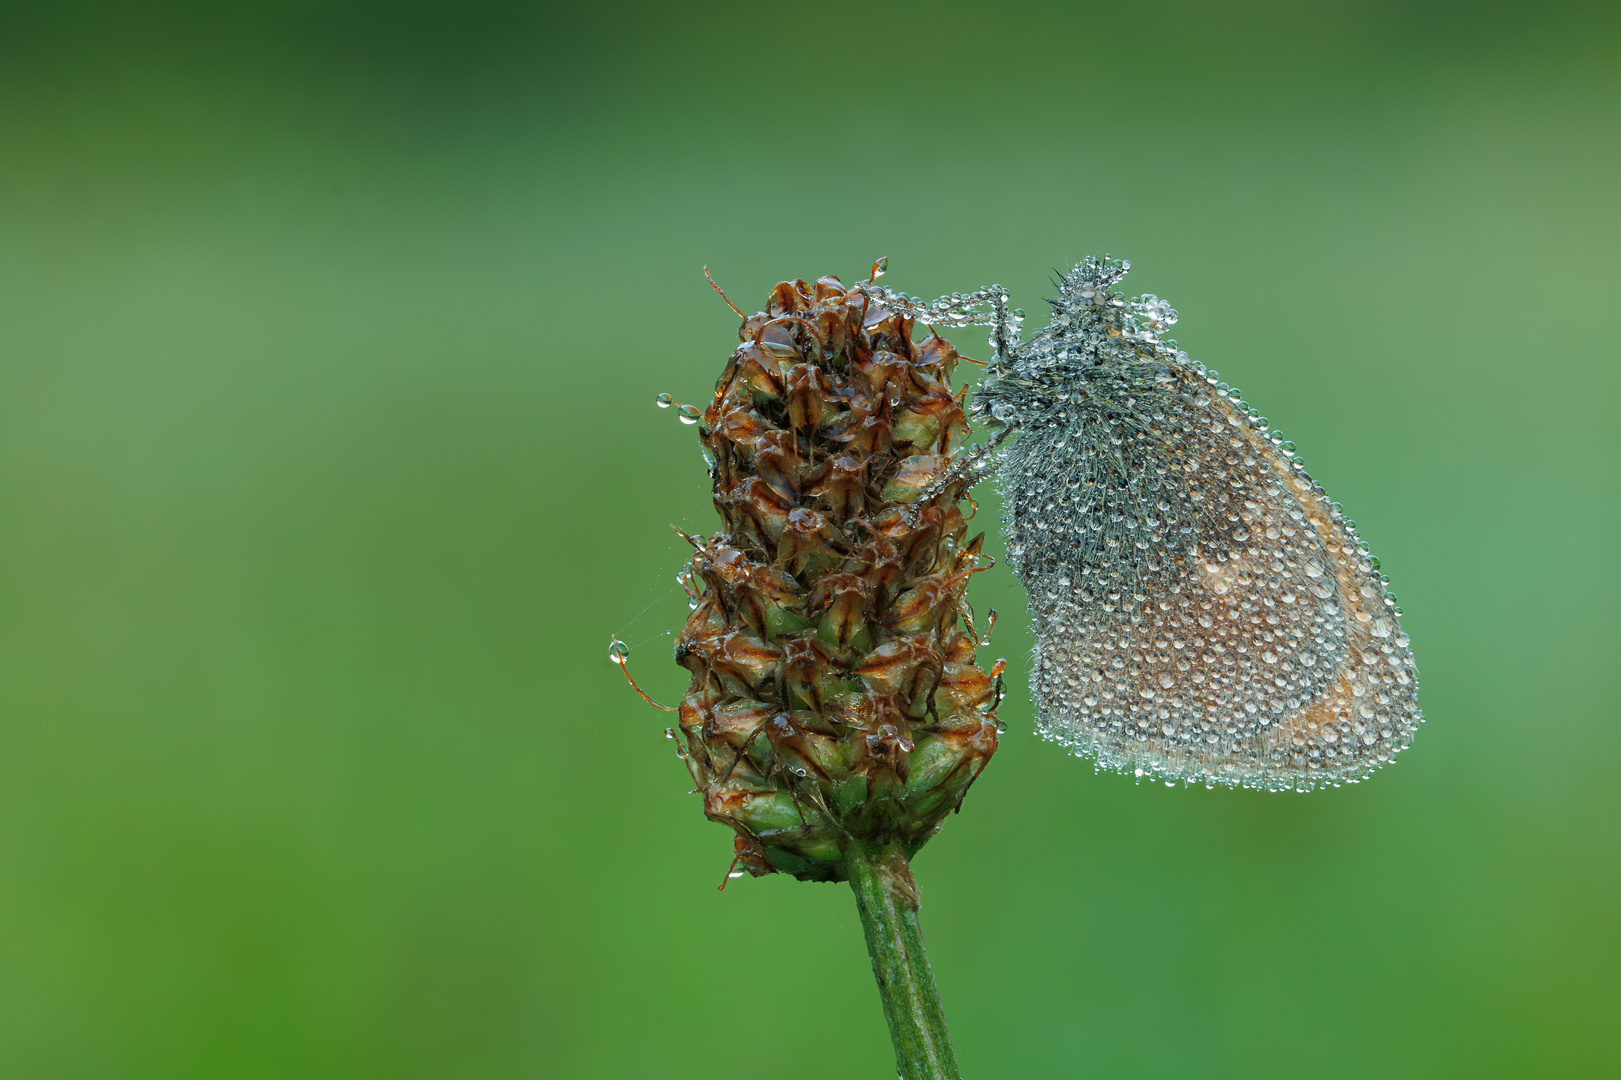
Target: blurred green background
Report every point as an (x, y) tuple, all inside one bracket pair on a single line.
[(329, 338)]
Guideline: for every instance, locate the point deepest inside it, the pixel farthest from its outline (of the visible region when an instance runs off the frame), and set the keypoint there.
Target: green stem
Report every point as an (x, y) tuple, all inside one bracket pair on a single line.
[(886, 896)]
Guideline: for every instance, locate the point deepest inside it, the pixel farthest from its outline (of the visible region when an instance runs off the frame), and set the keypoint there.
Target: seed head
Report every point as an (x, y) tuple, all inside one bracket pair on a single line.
[(835, 697)]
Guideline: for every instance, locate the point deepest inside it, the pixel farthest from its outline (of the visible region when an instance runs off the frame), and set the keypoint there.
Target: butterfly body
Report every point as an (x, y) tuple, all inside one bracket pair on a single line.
[(1202, 612)]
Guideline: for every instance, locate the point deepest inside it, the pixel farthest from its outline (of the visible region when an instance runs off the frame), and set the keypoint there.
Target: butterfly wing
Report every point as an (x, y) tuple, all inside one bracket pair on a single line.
[(1201, 610)]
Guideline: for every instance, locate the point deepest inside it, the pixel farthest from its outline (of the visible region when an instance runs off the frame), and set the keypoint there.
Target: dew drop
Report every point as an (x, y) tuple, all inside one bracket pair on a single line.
[(689, 414), (664, 401), (618, 651)]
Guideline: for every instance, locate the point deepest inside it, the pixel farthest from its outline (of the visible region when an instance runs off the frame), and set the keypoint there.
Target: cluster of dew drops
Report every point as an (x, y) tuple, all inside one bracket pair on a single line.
[(689, 414), (618, 651), (1290, 451)]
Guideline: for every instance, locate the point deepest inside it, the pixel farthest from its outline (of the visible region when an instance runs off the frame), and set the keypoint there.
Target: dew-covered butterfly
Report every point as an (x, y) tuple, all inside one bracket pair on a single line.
[(1201, 610)]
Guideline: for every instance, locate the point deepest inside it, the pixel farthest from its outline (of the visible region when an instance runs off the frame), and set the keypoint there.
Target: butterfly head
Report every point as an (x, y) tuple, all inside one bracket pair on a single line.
[(1095, 331)]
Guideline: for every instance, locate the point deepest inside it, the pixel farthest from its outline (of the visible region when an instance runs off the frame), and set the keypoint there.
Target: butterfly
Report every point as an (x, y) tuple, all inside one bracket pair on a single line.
[(1202, 611)]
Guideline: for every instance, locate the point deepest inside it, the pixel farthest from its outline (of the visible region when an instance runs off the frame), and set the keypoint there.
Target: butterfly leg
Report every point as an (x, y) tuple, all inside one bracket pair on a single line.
[(962, 309), (981, 461), (974, 466), (1004, 327)]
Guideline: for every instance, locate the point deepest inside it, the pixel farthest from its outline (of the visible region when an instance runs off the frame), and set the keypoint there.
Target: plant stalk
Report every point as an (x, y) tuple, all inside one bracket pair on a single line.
[(886, 896)]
